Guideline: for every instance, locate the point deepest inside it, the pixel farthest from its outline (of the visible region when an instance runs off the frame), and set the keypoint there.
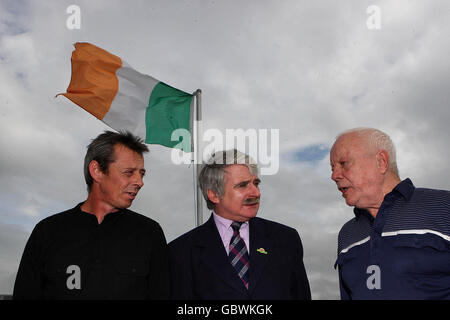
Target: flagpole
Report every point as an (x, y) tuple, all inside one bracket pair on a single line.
[(198, 158)]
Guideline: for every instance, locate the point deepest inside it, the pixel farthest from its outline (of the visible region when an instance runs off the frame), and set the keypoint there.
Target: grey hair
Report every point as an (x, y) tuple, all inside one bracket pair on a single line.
[(212, 173), (101, 149), (378, 140)]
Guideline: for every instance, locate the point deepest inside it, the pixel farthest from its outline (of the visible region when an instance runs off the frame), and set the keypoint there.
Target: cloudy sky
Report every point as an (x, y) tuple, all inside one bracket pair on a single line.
[(308, 68)]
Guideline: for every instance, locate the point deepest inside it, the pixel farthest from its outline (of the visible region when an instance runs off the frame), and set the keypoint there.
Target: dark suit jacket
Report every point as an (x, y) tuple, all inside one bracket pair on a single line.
[(201, 269)]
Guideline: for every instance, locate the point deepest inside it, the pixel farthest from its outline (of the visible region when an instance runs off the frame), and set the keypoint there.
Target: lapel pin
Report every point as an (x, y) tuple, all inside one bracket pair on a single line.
[(261, 250)]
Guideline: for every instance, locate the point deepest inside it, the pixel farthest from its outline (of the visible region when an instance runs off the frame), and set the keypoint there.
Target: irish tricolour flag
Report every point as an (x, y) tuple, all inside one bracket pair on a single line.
[(124, 99)]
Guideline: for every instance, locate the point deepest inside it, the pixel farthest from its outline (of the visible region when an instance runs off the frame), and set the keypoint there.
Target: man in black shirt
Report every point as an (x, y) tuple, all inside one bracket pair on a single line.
[(99, 249)]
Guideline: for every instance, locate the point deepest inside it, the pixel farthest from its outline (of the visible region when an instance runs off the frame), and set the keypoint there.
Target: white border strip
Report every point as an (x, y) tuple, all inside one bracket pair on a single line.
[(355, 244), (415, 231)]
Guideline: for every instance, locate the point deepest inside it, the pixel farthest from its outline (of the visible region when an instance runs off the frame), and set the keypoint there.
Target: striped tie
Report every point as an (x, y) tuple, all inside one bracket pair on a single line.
[(238, 254)]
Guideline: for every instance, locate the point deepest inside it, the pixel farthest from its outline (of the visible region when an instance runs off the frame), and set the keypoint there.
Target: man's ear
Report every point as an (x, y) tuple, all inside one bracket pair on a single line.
[(212, 196), (95, 171), (383, 161)]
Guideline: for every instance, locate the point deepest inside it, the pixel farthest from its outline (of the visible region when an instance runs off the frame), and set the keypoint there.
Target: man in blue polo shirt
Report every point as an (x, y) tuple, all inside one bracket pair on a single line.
[(398, 244)]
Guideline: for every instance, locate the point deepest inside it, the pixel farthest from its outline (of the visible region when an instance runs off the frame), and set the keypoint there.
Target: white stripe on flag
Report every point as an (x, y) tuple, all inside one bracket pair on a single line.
[(127, 111)]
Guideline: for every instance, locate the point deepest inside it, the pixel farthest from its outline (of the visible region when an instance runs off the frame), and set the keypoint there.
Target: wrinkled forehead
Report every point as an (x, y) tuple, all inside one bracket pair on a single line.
[(123, 153), (349, 144), (240, 172)]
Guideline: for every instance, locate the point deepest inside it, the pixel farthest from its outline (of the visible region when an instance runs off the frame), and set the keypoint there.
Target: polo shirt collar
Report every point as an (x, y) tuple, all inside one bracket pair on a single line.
[(110, 216), (405, 189)]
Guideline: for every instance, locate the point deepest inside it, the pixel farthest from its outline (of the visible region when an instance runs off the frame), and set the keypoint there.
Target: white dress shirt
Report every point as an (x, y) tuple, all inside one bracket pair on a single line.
[(226, 231)]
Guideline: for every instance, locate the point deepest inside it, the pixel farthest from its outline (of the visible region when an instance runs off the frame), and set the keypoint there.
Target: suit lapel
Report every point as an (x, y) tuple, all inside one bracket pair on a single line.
[(214, 256), (259, 239)]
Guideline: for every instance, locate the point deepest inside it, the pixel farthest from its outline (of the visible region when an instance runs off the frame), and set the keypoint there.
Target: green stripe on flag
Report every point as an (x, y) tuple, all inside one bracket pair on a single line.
[(168, 109)]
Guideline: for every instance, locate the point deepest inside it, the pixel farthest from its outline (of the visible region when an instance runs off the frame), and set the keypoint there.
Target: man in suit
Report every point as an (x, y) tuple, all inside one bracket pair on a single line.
[(235, 255)]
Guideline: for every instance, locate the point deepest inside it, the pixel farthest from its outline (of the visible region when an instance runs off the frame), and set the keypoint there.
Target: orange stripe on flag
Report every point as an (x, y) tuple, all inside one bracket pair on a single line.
[(94, 83)]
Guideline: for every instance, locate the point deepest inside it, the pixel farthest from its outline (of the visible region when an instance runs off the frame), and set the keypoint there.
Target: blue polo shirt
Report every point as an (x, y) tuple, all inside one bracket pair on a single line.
[(404, 253)]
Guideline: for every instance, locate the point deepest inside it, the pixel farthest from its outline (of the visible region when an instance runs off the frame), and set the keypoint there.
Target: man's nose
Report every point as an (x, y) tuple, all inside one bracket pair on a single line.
[(138, 179), (255, 192), (336, 174)]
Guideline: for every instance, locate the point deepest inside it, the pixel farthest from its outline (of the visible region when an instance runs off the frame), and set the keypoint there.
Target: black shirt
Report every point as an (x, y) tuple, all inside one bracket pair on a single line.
[(70, 256)]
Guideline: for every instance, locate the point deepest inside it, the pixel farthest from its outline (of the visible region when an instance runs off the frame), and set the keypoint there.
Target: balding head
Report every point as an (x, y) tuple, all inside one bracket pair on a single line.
[(364, 167), (373, 141)]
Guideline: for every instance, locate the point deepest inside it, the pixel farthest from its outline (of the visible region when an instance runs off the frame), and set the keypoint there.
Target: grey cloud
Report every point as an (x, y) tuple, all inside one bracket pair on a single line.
[(12, 240)]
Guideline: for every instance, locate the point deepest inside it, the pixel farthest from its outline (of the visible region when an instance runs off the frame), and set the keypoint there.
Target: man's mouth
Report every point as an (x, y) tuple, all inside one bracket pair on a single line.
[(343, 190), (132, 194), (251, 201)]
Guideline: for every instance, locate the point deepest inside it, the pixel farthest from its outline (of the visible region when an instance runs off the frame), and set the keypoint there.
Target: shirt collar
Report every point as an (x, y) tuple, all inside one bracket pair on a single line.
[(404, 189), (225, 222), (109, 216)]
